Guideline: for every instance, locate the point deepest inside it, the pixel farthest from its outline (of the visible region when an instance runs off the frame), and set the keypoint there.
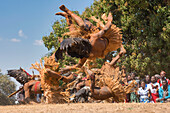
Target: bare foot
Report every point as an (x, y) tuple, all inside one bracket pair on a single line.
[(63, 8), (62, 14), (67, 16)]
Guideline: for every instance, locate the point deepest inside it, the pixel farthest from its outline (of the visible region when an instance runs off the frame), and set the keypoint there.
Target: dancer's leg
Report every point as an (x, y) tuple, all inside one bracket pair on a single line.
[(77, 19)]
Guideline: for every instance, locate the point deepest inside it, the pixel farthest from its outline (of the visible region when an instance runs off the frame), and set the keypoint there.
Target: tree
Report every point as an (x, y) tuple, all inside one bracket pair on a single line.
[(6, 88), (145, 27), (145, 30)]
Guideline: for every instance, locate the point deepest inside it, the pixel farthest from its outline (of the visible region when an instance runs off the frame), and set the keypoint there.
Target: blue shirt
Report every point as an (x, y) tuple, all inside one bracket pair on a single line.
[(161, 93)]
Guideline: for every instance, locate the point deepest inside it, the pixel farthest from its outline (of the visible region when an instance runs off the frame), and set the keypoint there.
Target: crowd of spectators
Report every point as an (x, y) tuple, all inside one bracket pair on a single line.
[(151, 89)]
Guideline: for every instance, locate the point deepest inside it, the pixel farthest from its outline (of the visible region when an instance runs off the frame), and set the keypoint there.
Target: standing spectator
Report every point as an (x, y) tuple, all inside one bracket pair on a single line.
[(128, 95), (133, 75), (129, 78), (124, 81), (143, 93), (147, 80), (137, 80), (133, 96), (153, 87), (164, 92), (163, 73), (157, 76)]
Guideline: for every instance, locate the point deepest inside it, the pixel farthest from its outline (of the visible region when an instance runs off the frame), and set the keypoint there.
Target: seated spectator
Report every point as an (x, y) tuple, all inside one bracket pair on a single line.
[(162, 74), (153, 87), (164, 92), (143, 93)]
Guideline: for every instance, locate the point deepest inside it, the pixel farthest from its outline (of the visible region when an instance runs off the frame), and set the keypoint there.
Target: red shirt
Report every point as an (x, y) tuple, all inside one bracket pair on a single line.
[(160, 81)]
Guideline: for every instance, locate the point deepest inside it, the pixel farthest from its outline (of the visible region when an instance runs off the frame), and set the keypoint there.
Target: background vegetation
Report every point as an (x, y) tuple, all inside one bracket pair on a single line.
[(145, 26), (6, 88)]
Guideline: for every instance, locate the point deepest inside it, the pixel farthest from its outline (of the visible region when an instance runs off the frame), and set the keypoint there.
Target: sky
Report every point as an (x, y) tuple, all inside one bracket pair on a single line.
[(23, 23)]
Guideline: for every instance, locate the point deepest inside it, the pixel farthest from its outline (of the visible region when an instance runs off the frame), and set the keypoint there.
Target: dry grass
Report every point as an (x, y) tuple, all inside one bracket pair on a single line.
[(88, 108)]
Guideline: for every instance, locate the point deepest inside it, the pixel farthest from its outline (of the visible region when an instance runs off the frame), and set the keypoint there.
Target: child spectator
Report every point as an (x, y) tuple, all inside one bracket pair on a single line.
[(143, 93)]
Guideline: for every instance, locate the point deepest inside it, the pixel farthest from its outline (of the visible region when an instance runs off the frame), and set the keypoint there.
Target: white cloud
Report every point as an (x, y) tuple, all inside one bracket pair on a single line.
[(21, 34), (0, 39), (15, 40), (38, 42)]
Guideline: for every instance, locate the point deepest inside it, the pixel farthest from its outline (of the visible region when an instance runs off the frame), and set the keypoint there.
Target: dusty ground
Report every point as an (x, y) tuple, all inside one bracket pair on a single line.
[(88, 108)]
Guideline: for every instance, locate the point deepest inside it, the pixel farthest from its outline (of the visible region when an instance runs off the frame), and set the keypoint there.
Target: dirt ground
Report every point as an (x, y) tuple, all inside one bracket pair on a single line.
[(88, 108)]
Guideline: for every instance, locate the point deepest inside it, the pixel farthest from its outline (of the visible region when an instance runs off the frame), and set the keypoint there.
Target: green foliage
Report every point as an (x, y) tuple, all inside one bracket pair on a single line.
[(52, 41), (145, 27), (145, 30), (6, 88)]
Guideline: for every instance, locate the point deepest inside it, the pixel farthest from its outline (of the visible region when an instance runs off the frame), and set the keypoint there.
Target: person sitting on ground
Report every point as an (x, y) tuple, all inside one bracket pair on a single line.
[(143, 93), (164, 92), (163, 74), (153, 87)]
